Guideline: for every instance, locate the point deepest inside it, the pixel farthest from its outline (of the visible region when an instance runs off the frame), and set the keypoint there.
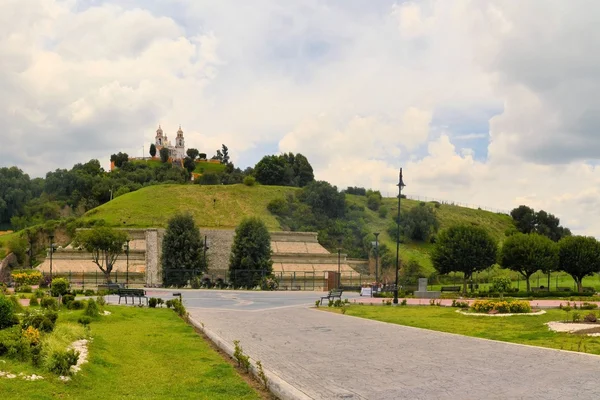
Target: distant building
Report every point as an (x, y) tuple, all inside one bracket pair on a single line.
[(176, 152)]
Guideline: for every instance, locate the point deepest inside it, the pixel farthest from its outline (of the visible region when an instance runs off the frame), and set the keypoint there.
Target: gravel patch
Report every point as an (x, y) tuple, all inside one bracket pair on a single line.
[(571, 327)]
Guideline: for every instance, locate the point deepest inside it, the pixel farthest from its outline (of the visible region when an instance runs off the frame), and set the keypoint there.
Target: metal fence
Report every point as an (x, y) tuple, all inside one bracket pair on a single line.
[(91, 280)]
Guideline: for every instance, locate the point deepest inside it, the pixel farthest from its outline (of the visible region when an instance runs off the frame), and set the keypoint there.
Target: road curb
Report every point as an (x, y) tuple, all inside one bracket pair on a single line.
[(279, 387)]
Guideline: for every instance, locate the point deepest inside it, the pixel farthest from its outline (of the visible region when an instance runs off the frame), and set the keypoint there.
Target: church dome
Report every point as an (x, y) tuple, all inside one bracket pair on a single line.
[(159, 131)]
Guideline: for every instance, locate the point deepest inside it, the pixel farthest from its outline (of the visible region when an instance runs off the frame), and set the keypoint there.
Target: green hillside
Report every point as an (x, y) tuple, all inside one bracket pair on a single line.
[(154, 205), (448, 215)]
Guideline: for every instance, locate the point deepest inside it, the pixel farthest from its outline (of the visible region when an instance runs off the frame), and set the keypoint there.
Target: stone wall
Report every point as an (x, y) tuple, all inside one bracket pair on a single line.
[(219, 247), (5, 264), (154, 239)]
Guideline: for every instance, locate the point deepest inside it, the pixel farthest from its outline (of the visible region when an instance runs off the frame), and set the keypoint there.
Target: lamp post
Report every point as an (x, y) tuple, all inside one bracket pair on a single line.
[(127, 270), (376, 258), (51, 238), (339, 271), (400, 186)]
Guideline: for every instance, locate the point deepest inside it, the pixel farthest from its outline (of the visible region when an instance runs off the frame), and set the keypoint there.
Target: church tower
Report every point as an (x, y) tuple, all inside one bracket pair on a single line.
[(159, 140), (180, 144)]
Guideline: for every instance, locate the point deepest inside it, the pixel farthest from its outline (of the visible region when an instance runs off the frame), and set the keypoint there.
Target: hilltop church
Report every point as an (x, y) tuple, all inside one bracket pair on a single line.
[(176, 152)]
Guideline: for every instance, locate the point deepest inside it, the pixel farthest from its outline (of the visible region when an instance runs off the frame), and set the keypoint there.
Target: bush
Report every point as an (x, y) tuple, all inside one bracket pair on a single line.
[(26, 277), (24, 289), (60, 361), (76, 305), (67, 298), (14, 345), (101, 301), (591, 317), (502, 307), (34, 302), (49, 303), (269, 283), (7, 313), (39, 293), (588, 306), (89, 292), (60, 286), (374, 201), (152, 302), (196, 282), (383, 211), (277, 206), (38, 321), (91, 309), (44, 282), (249, 180), (169, 303), (84, 320), (460, 304), (179, 308)]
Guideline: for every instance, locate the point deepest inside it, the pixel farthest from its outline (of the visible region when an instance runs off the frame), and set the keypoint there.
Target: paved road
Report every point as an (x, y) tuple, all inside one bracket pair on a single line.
[(333, 356)]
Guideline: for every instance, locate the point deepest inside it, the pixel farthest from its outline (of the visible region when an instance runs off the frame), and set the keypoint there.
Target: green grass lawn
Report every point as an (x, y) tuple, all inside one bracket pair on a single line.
[(205, 166), (137, 353), (528, 330), (153, 206)]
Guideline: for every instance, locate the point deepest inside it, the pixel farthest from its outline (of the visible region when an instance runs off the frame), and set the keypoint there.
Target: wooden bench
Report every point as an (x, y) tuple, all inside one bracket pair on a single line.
[(450, 288), (333, 294), (563, 289), (133, 293)]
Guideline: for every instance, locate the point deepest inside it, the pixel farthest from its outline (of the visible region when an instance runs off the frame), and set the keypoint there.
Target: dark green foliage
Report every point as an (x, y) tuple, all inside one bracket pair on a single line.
[(250, 259), (527, 220), (7, 313), (169, 303), (14, 345), (418, 224), (84, 320), (374, 201), (59, 287), (411, 272), (152, 302), (119, 159), (209, 178), (359, 191), (15, 191), (164, 154), (225, 154), (33, 302), (182, 251), (324, 199), (579, 256), (529, 253), (202, 156), (192, 153), (91, 309), (249, 181), (76, 305), (465, 249), (39, 321), (288, 169), (67, 298), (383, 211), (152, 150), (49, 303), (189, 164), (89, 292)]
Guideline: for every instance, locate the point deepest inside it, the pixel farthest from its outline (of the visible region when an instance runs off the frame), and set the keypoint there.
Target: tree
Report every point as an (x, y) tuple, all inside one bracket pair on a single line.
[(527, 220), (225, 152), (464, 248), (218, 156), (579, 256), (303, 170), (15, 192), (418, 223), (105, 244), (287, 169), (182, 251), (164, 155), (152, 150), (119, 159), (250, 259), (189, 164), (270, 170), (192, 153), (209, 178), (202, 156), (529, 253), (324, 199)]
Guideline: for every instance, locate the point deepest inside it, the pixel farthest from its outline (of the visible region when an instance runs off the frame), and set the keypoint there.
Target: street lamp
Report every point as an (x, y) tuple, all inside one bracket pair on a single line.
[(376, 258), (51, 238), (339, 271), (127, 270), (400, 186)]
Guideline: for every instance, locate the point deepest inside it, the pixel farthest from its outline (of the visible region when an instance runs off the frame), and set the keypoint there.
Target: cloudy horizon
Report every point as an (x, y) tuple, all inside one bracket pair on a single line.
[(486, 102)]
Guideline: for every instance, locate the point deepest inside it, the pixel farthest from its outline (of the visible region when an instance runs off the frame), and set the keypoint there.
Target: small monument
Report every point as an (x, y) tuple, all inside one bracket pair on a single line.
[(422, 292)]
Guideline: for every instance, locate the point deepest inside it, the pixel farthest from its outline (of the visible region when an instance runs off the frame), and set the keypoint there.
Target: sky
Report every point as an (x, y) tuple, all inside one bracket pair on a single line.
[(483, 102)]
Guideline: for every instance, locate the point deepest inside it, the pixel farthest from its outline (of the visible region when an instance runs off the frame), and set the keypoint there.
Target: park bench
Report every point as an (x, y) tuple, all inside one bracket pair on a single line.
[(589, 289), (133, 293), (450, 289), (563, 289), (333, 294)]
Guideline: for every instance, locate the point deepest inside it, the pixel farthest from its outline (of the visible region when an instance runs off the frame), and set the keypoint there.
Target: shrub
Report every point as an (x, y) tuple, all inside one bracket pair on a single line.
[(89, 292), (374, 201), (588, 306), (576, 317), (277, 206), (76, 305), (38, 321), (101, 301), (14, 345), (28, 277), (84, 320), (91, 309), (34, 302), (383, 211), (60, 286), (196, 282), (160, 301), (249, 180), (460, 304), (269, 283), (591, 317), (179, 308), (25, 289), (7, 313), (403, 302), (32, 335), (152, 302), (67, 298), (485, 306), (49, 303), (39, 293), (60, 361), (44, 282), (169, 303)]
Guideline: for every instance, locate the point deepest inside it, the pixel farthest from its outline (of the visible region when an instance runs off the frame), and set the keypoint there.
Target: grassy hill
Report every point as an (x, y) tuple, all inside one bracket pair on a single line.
[(154, 205), (448, 215)]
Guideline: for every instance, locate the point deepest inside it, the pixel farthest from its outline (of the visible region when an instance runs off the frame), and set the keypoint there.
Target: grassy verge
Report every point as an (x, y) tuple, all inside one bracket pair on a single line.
[(138, 353), (529, 330)]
